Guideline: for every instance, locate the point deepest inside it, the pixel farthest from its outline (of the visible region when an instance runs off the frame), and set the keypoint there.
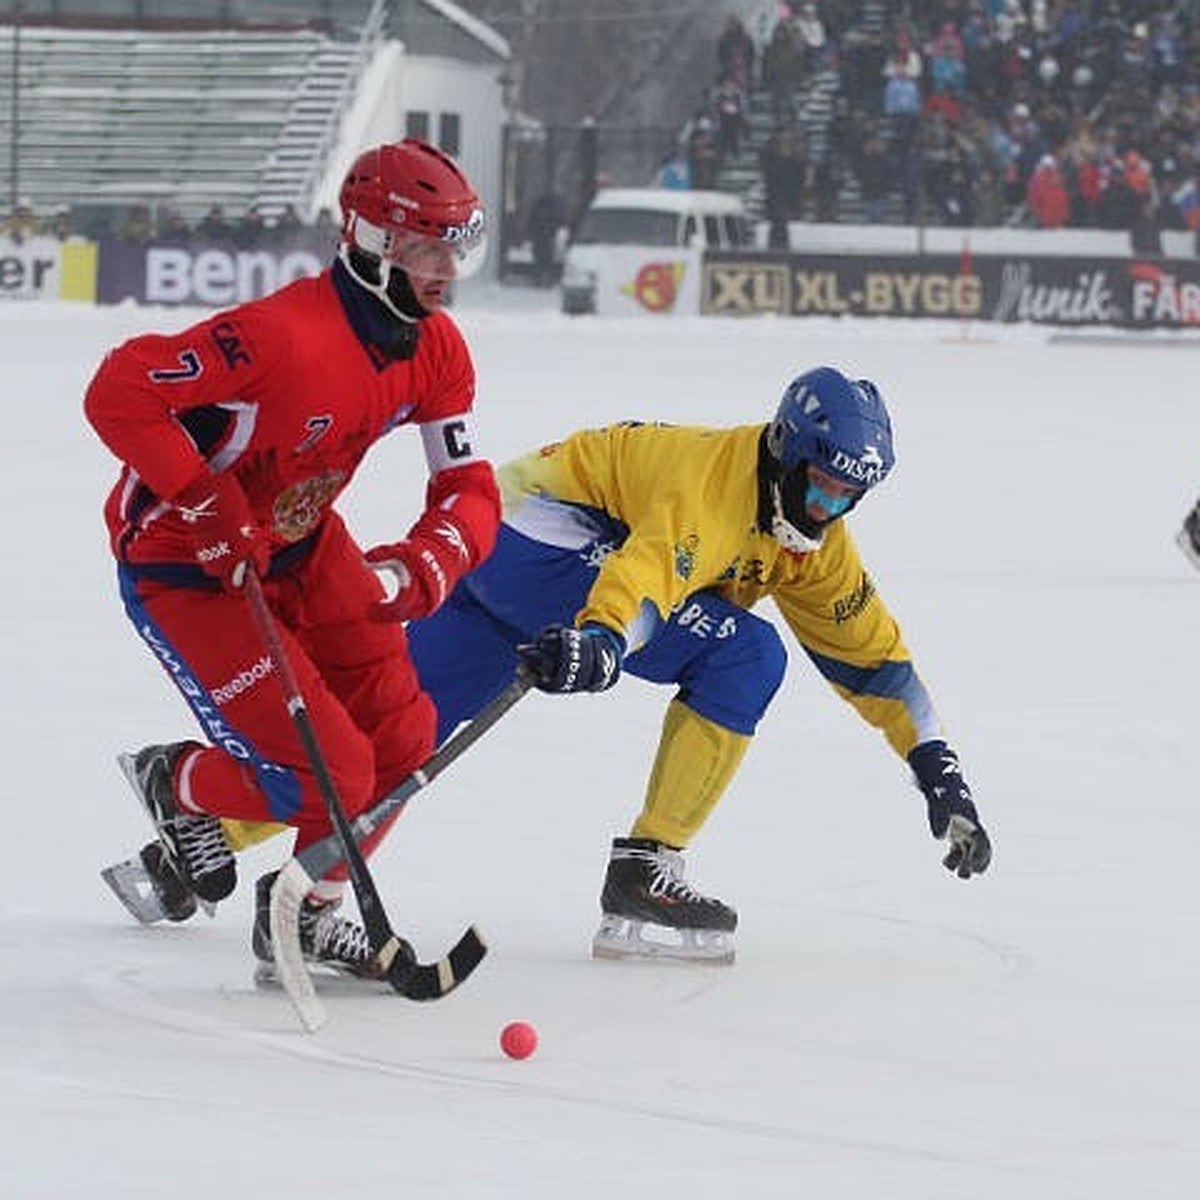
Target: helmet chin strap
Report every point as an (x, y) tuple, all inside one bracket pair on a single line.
[(785, 533), (382, 290)]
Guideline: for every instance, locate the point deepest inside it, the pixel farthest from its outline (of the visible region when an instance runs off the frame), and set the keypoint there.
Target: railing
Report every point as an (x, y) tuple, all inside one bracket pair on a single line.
[(369, 39), (93, 116)]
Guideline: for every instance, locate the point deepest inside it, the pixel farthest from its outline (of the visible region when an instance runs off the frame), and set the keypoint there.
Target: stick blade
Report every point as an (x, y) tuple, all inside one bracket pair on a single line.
[(291, 886), (432, 981)]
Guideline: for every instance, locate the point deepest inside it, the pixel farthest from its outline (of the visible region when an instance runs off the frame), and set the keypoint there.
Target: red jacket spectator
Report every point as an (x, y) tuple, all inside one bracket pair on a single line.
[(1047, 194)]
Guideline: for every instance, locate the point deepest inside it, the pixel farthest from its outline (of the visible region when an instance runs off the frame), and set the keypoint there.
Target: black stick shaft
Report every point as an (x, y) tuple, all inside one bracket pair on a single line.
[(378, 927)]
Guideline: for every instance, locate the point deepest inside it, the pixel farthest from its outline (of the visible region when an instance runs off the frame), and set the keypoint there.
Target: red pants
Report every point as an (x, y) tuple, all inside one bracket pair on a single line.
[(372, 721)]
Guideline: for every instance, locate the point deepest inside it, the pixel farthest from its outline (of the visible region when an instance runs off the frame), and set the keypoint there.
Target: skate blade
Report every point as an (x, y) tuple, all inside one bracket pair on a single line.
[(132, 885), (134, 888), (126, 763), (326, 977), (625, 938)]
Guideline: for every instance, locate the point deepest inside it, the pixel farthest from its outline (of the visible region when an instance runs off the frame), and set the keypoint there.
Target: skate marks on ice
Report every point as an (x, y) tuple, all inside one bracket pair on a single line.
[(797, 1010), (917, 940), (125, 993)]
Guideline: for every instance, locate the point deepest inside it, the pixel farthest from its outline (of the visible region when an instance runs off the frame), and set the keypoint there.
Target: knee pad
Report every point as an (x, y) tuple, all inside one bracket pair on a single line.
[(735, 679)]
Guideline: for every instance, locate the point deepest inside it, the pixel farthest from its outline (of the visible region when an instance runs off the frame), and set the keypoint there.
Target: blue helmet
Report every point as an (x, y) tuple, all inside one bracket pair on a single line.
[(836, 424)]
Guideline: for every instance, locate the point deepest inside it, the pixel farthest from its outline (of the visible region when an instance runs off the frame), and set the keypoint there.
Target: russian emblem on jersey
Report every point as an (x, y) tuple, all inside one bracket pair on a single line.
[(299, 509), (656, 286)]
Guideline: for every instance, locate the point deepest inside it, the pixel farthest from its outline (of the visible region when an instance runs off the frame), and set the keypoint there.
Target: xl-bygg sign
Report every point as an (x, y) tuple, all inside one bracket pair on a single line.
[(1043, 289), (842, 286)]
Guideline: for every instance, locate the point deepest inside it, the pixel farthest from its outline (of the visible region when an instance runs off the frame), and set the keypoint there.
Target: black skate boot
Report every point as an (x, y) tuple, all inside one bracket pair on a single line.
[(1188, 537), (325, 938), (177, 899), (644, 886), (150, 887), (194, 845)]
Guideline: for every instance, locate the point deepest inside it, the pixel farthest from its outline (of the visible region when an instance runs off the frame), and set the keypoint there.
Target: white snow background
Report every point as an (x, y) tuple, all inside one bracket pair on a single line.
[(887, 1032)]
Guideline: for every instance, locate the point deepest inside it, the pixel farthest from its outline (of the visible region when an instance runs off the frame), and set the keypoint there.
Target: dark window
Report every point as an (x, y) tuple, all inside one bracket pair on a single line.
[(627, 227), (416, 124), (738, 232), (450, 132)]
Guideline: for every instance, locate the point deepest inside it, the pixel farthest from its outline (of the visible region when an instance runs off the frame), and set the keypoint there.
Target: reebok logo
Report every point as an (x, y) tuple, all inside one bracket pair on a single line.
[(452, 536), (244, 680), (207, 554)]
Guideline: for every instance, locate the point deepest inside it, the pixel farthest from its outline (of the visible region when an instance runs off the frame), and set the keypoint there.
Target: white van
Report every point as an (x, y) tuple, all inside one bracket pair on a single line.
[(634, 248)]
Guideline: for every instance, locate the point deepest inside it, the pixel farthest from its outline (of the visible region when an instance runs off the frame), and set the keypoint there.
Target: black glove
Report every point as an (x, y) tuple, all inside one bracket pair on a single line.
[(562, 659), (952, 813)]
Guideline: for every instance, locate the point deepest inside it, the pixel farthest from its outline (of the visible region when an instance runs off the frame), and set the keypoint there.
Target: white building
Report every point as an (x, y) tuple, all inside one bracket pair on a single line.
[(439, 73)]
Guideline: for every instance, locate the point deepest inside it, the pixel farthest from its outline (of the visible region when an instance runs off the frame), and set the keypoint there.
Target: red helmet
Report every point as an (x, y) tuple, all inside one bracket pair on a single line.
[(408, 205)]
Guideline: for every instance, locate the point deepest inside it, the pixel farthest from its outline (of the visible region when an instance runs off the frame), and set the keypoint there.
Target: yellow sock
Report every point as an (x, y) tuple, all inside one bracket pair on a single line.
[(241, 834), (696, 760)]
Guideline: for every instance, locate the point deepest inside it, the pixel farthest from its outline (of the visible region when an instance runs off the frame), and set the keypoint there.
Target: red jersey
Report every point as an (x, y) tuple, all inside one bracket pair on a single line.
[(288, 393)]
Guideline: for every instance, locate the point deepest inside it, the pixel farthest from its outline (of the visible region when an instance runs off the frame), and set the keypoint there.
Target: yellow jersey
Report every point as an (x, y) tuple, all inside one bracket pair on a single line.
[(679, 506)]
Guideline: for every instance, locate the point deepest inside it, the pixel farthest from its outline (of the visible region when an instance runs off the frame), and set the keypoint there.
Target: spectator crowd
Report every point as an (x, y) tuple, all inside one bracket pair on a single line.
[(162, 224), (1041, 113)]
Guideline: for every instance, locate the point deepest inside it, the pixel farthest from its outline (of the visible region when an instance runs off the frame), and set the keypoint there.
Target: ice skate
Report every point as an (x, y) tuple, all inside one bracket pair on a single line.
[(150, 887), (650, 911), (327, 941), (194, 844), (1188, 537), (189, 867)]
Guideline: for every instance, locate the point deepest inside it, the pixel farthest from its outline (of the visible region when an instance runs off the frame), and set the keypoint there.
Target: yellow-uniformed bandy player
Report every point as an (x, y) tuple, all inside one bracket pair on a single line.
[(643, 548)]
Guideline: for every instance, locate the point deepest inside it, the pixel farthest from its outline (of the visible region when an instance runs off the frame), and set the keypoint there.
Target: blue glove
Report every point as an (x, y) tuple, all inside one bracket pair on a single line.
[(952, 813), (562, 659)]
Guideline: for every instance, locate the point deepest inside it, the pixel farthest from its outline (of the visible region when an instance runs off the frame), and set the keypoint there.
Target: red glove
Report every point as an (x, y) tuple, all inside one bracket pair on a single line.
[(225, 537), (427, 565)]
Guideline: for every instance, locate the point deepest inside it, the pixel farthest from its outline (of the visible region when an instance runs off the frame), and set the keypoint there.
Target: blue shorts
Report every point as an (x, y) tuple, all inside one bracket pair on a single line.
[(726, 662)]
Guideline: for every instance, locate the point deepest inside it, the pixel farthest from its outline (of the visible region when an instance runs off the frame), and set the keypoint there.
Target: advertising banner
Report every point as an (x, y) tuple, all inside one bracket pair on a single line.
[(639, 282), (1129, 292), (42, 268), (212, 276)]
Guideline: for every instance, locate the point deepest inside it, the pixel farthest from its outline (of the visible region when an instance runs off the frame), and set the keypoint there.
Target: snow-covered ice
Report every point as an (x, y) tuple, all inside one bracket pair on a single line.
[(887, 1032)]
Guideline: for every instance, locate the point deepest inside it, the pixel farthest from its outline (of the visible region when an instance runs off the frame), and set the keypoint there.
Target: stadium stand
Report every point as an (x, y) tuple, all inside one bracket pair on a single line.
[(235, 118)]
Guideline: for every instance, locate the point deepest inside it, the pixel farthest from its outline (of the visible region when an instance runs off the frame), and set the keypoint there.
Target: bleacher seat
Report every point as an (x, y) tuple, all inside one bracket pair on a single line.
[(188, 119)]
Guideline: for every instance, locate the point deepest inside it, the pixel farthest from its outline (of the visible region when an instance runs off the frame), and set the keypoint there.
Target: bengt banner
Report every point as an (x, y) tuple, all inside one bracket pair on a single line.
[(213, 276), (1132, 292)]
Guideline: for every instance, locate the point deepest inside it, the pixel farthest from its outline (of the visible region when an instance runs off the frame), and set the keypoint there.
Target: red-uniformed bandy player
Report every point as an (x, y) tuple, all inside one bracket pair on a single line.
[(237, 437)]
